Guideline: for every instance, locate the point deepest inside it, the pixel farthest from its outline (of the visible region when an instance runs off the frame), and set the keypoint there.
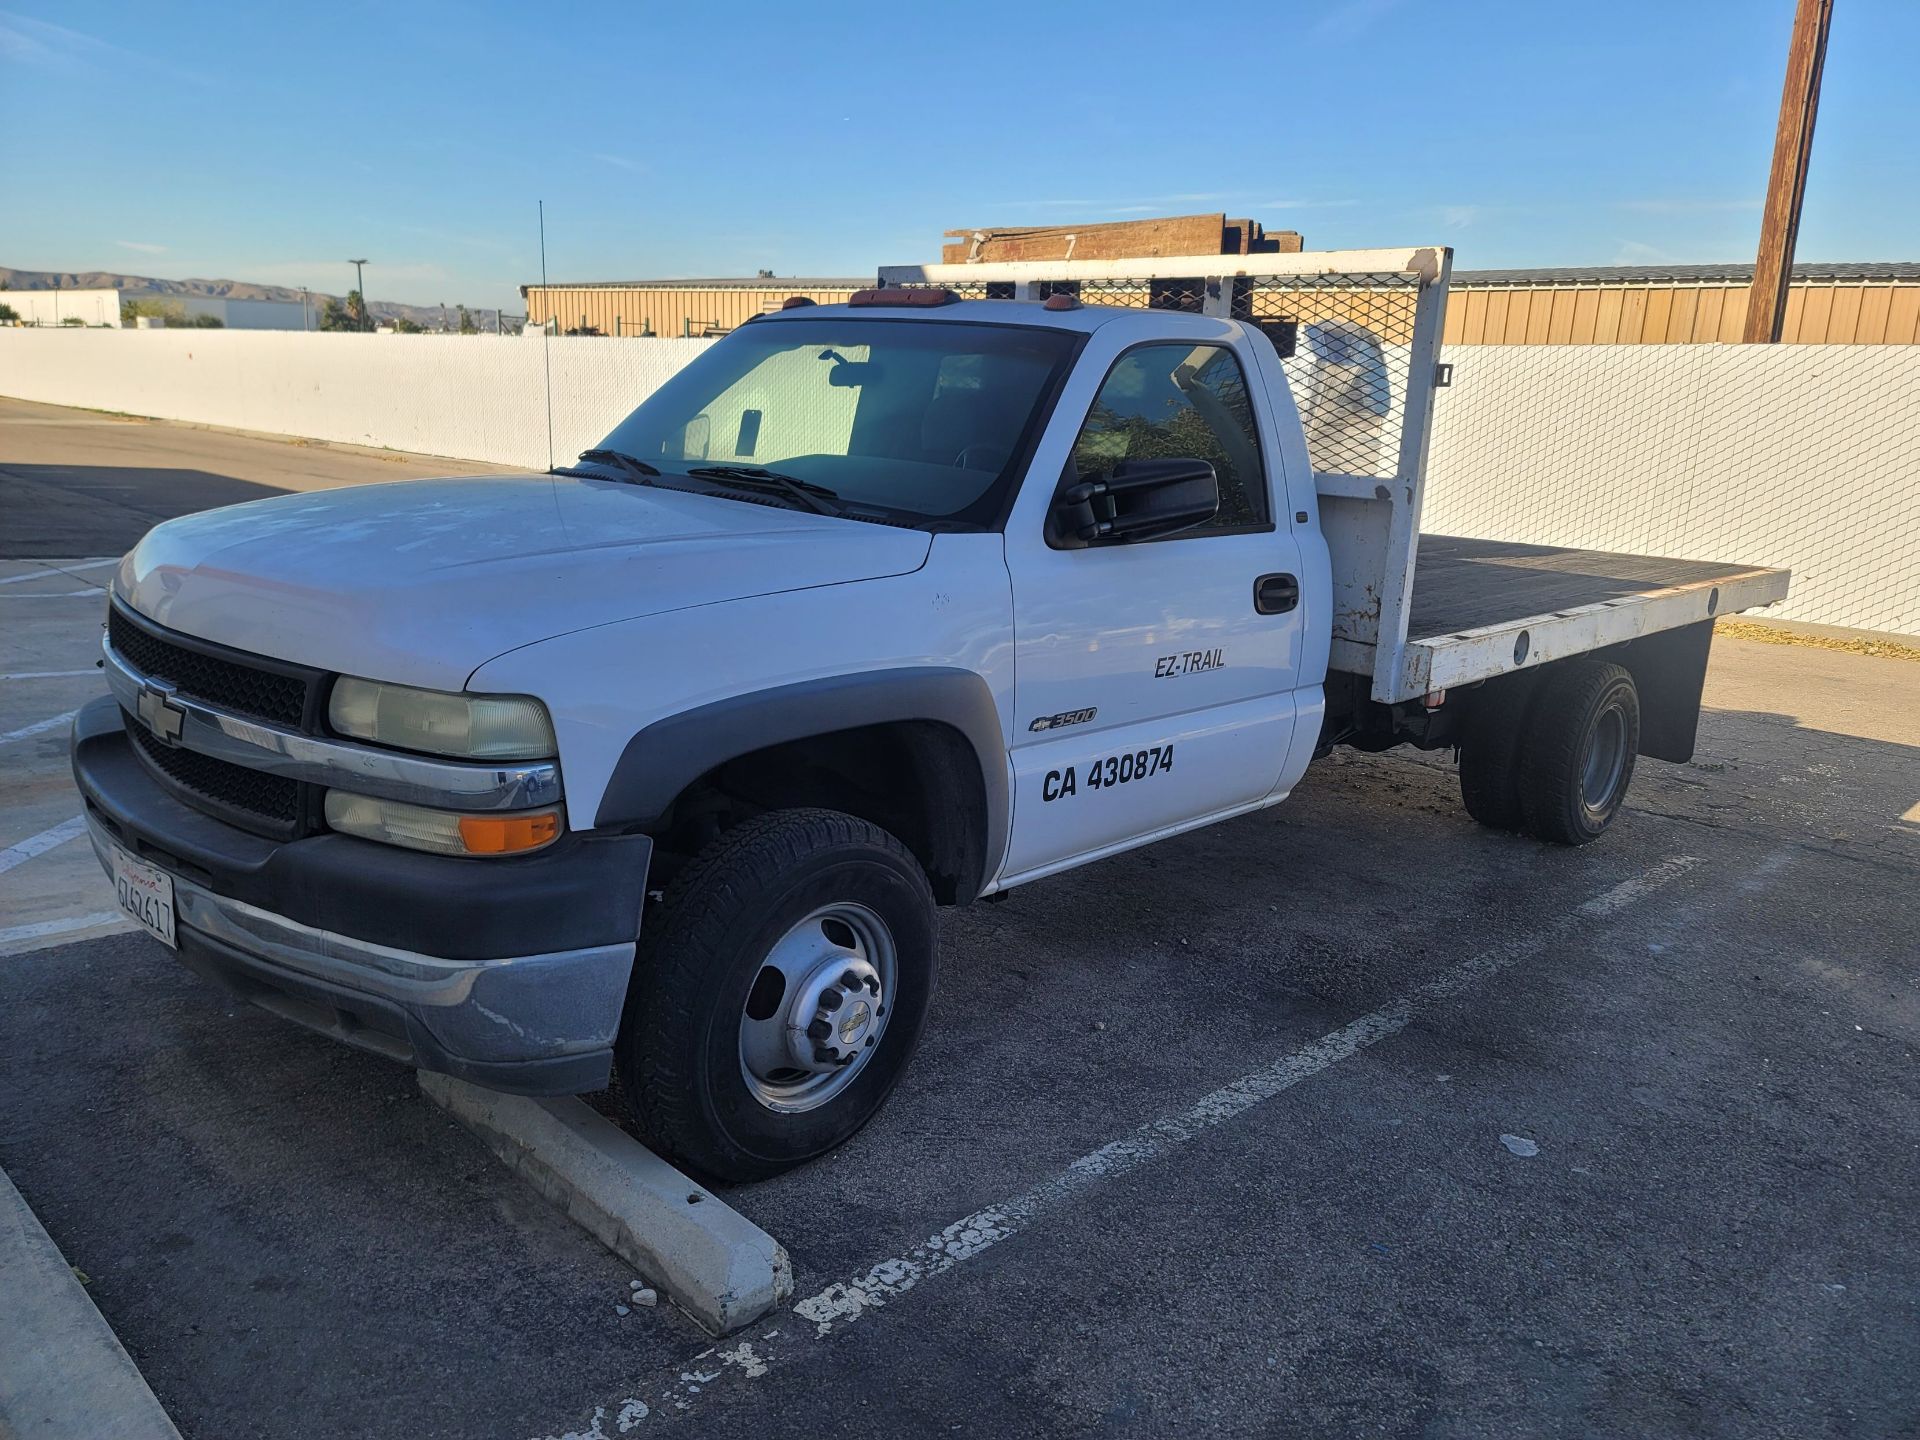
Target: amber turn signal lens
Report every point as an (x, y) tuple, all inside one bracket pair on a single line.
[(506, 834)]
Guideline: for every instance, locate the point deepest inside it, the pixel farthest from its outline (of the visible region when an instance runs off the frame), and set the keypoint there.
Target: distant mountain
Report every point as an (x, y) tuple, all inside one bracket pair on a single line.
[(143, 287)]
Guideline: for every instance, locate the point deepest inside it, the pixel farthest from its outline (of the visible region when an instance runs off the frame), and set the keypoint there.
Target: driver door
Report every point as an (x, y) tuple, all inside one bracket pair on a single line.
[(1153, 680)]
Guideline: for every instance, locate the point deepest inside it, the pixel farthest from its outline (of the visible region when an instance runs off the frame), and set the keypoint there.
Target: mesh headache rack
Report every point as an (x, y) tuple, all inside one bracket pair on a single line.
[(1358, 334)]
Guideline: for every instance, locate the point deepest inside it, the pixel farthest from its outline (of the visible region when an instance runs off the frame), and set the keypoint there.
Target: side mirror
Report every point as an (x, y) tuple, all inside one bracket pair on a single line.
[(1139, 500)]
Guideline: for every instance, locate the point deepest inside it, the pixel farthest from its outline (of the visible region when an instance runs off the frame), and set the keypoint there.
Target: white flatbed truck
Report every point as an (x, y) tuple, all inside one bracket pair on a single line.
[(663, 760)]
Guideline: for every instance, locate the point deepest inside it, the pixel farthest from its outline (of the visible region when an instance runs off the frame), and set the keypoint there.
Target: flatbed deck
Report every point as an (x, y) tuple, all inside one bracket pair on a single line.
[(1481, 608)]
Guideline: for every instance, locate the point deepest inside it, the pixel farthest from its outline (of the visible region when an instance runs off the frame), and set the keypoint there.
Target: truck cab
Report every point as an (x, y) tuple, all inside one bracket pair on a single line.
[(663, 761)]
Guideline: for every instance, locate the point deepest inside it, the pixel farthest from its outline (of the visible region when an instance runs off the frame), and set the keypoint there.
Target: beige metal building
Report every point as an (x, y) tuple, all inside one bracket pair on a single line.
[(1857, 304), (670, 307)]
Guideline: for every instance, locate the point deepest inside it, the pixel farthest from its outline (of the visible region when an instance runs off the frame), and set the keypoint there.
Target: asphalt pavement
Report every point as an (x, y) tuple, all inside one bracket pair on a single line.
[(1347, 1117)]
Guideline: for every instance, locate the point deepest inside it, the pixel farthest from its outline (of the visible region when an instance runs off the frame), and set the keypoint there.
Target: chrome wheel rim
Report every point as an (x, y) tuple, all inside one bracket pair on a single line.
[(817, 1007), (1606, 762)]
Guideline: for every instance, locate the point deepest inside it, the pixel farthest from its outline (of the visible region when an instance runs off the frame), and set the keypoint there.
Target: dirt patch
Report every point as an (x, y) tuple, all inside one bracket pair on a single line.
[(1773, 635)]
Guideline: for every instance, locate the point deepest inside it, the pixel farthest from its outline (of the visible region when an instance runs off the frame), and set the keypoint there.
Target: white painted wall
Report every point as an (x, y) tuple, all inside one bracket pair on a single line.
[(1806, 456), (473, 397), (53, 307)]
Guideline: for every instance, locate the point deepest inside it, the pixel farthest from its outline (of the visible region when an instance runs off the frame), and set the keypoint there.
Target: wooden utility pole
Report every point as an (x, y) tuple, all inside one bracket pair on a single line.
[(1787, 185)]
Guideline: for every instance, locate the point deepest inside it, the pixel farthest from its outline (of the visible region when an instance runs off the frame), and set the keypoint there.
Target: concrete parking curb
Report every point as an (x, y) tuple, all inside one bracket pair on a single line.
[(713, 1262), (62, 1370)]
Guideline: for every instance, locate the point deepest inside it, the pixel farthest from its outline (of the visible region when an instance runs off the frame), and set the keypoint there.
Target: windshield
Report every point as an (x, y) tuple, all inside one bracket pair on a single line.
[(925, 418)]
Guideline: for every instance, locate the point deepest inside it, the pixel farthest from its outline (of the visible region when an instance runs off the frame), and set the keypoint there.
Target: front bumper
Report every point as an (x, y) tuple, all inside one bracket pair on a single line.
[(510, 973)]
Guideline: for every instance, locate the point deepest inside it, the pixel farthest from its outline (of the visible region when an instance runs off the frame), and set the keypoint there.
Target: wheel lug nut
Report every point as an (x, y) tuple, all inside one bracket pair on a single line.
[(819, 1030), (830, 999), (850, 979), (825, 1056)]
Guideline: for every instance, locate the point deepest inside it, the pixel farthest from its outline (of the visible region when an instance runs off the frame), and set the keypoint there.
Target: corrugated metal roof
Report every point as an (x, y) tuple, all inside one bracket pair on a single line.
[(1740, 274), (751, 282), (1880, 270)]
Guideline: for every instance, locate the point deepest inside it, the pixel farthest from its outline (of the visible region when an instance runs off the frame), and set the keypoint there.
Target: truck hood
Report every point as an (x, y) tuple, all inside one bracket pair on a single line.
[(421, 582)]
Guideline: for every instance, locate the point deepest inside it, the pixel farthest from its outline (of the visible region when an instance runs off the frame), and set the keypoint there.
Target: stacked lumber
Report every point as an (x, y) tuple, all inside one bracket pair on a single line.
[(1117, 240)]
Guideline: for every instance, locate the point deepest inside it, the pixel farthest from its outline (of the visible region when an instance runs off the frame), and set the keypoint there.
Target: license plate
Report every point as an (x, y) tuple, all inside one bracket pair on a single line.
[(145, 892)]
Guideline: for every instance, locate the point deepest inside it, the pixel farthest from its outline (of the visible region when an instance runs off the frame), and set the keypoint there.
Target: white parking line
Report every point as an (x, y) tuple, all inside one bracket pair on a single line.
[(57, 567), (39, 727), (753, 1354), (39, 844), (91, 592), (50, 674), (19, 939)]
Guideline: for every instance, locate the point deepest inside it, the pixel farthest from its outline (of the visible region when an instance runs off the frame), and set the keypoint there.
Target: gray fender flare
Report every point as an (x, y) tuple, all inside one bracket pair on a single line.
[(671, 753)]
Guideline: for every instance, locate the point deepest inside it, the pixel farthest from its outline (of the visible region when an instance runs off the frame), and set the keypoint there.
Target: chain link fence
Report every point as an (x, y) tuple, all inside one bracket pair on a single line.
[(1345, 341)]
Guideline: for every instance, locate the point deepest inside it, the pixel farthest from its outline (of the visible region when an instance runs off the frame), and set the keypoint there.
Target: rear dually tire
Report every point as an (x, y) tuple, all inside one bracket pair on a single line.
[(1577, 751)]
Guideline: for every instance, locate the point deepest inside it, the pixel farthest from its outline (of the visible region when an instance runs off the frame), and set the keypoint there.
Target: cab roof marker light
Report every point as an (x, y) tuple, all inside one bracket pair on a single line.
[(1061, 301), (918, 299), (795, 302)]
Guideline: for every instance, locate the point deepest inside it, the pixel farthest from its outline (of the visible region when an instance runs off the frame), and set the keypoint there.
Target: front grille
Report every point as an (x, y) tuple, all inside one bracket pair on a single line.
[(230, 684), (252, 799)]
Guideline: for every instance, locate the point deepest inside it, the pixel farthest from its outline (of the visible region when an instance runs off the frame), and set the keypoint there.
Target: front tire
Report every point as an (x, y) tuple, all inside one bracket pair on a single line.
[(781, 986)]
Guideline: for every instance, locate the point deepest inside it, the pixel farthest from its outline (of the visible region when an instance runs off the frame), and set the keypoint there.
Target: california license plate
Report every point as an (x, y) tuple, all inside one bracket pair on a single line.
[(145, 892)]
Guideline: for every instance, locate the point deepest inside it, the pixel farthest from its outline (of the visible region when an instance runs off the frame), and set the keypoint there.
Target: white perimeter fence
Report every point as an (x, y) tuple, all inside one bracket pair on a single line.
[(471, 397), (1806, 456)]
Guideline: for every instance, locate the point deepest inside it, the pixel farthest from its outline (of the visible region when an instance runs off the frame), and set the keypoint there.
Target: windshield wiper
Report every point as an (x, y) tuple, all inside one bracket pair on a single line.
[(817, 498), (620, 460)]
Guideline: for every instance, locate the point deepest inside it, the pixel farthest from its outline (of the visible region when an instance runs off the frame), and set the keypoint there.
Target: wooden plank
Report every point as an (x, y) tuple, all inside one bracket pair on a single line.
[(1474, 316), (1876, 301), (1659, 314), (1633, 317), (1686, 305), (1733, 315), (1706, 317), (1843, 326), (1816, 311), (1586, 310), (1560, 318), (1903, 316), (1539, 315), (1499, 316), (1606, 317)]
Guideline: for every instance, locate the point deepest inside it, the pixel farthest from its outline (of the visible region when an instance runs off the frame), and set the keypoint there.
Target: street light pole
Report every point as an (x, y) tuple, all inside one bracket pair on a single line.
[(360, 285)]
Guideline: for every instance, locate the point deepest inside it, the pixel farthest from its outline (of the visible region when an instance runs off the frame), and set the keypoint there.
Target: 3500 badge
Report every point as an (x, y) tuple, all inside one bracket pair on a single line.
[(1107, 772)]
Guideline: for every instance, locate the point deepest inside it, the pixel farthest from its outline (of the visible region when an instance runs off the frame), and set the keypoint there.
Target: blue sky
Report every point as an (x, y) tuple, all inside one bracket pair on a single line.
[(246, 141)]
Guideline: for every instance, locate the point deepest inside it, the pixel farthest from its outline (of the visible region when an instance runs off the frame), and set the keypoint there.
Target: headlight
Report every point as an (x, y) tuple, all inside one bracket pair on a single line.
[(443, 832), (469, 727)]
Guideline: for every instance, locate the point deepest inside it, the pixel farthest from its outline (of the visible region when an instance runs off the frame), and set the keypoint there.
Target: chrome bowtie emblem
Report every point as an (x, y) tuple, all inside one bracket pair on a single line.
[(160, 714)]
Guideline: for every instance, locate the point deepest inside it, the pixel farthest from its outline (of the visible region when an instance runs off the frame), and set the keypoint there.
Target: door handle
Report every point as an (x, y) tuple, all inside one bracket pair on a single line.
[(1275, 594)]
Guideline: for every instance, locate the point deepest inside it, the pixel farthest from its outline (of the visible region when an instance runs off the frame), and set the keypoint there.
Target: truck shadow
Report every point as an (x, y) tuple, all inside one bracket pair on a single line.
[(49, 511), (1765, 775)]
